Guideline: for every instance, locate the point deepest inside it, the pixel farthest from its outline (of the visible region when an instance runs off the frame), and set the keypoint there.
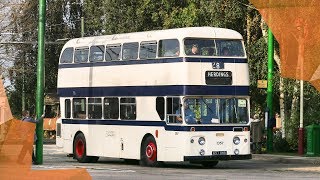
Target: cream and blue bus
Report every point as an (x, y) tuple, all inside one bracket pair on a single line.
[(157, 96)]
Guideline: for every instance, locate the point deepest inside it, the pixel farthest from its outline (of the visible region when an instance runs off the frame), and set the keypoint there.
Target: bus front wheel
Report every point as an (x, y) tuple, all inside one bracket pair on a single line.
[(80, 150), (149, 152)]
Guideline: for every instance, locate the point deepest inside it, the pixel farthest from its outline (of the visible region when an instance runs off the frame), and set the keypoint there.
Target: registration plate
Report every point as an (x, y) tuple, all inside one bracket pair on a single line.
[(219, 152)]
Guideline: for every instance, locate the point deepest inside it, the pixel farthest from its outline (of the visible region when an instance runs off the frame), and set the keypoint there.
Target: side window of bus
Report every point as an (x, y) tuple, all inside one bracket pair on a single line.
[(94, 108), (148, 50), (79, 108), (67, 56), (173, 109), (81, 55), (113, 52), (160, 107), (96, 53), (127, 108), (168, 48), (67, 108), (130, 51), (111, 108)]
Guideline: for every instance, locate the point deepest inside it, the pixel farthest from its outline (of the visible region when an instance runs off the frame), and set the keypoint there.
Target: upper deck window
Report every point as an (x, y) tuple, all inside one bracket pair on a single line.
[(67, 56), (169, 48), (230, 48), (96, 53), (148, 50), (130, 51), (113, 52), (211, 47), (81, 55)]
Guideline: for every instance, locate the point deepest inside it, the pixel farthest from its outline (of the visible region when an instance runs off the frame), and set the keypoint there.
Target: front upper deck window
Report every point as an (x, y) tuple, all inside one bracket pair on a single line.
[(130, 51), (232, 48), (67, 56), (213, 47), (216, 111), (81, 55), (169, 48), (113, 52)]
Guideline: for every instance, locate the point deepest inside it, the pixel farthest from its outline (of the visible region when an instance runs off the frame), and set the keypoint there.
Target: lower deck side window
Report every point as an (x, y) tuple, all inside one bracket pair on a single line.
[(128, 108)]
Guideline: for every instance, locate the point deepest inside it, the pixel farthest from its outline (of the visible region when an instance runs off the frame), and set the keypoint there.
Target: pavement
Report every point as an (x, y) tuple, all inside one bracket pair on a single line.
[(287, 159)]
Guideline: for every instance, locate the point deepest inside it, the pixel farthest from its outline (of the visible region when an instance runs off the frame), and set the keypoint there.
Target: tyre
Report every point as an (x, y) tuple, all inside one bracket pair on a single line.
[(209, 164), (94, 159), (149, 152), (80, 150)]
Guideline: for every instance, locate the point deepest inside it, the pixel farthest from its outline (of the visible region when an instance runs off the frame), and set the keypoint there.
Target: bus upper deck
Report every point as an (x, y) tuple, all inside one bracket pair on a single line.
[(165, 59)]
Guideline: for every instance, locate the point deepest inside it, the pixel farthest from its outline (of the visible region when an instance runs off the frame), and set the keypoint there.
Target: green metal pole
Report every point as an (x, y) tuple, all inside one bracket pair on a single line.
[(82, 26), (270, 89), (40, 80)]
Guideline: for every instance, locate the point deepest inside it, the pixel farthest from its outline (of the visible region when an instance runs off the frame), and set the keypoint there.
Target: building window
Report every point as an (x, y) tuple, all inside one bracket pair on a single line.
[(94, 108), (67, 56), (67, 108), (128, 108), (79, 108), (111, 108), (96, 53)]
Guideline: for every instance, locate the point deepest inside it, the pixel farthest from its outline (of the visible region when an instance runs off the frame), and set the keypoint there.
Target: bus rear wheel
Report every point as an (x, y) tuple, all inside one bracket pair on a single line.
[(80, 150), (149, 152)]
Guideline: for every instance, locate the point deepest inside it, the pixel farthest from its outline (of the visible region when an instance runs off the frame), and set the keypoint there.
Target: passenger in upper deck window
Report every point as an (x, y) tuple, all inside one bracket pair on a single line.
[(225, 52), (210, 52), (194, 50), (172, 52)]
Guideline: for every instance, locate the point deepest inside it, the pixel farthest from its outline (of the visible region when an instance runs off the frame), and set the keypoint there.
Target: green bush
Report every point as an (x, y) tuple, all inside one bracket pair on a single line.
[(280, 144)]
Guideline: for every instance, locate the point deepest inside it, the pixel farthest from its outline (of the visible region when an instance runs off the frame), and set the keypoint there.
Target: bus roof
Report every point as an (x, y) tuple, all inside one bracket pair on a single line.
[(180, 33)]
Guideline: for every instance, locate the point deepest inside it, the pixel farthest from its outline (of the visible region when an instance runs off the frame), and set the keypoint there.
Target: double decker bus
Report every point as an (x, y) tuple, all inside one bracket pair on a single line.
[(157, 96)]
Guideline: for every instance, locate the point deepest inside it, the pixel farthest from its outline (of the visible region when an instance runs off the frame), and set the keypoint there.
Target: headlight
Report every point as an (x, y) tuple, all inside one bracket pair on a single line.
[(236, 151), (201, 141), (236, 140), (202, 152)]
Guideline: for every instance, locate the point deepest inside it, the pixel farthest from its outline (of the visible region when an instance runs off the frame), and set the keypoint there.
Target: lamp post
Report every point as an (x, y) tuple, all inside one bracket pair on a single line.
[(40, 81), (270, 90)]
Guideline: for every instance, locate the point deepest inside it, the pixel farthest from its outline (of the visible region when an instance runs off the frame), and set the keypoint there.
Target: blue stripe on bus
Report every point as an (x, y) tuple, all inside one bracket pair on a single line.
[(154, 61), (153, 91), (149, 123)]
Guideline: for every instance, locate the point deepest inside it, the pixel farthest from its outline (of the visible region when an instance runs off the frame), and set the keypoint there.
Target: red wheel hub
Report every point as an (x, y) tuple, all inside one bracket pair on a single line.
[(80, 148), (151, 151)]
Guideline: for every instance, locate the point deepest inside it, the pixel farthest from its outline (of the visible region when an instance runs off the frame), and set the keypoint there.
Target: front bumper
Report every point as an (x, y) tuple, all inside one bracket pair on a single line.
[(217, 158)]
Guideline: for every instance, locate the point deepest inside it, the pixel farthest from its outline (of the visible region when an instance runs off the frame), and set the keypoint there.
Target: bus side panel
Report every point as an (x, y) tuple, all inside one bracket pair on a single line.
[(172, 145), (95, 139)]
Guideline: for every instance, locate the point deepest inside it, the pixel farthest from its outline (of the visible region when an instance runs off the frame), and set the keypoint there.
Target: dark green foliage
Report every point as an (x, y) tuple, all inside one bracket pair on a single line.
[(280, 144)]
